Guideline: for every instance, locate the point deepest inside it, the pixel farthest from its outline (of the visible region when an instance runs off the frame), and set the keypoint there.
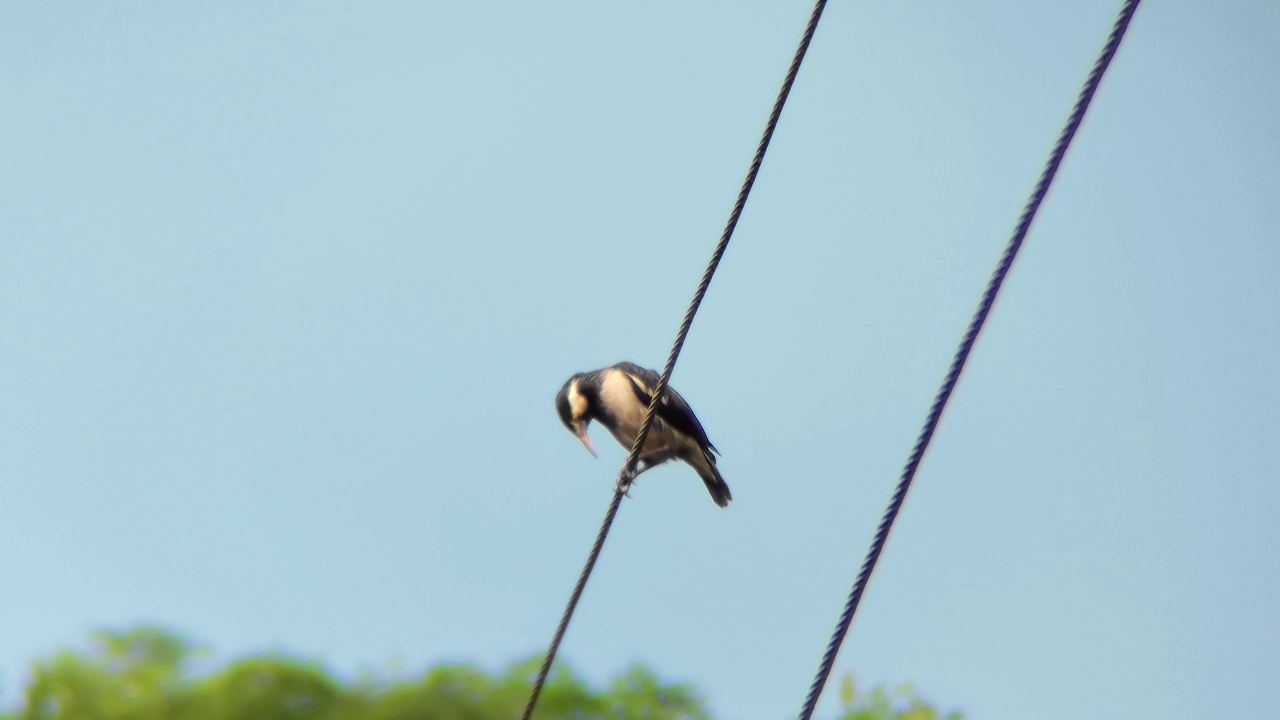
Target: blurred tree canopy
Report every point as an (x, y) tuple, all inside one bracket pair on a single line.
[(147, 673)]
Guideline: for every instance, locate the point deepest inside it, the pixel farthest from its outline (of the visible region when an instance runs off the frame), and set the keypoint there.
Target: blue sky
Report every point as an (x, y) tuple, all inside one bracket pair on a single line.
[(286, 292)]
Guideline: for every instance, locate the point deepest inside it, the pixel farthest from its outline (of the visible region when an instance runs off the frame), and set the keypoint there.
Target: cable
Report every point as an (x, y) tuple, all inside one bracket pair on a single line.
[(628, 471), (573, 604), (966, 346)]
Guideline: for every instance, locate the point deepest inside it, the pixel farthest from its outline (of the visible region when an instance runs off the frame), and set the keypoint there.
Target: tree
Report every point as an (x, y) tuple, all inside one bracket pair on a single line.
[(146, 673), (903, 703)]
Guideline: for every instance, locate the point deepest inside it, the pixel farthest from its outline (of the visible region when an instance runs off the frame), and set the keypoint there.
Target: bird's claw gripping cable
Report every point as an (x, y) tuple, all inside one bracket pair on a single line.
[(625, 480)]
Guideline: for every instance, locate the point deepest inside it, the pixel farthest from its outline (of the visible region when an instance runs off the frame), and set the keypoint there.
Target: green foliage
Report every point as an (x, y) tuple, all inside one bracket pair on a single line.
[(268, 688), (146, 674), (902, 703), (133, 674)]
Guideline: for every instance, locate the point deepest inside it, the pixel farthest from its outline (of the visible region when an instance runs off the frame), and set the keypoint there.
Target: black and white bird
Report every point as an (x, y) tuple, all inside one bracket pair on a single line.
[(619, 397)]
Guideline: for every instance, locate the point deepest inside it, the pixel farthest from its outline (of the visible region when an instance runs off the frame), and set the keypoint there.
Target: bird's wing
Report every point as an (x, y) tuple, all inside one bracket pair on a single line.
[(673, 410)]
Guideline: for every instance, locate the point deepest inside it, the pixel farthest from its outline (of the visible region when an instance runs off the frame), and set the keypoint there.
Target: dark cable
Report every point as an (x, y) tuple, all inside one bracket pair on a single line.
[(573, 604), (750, 180), (962, 354), (627, 473)]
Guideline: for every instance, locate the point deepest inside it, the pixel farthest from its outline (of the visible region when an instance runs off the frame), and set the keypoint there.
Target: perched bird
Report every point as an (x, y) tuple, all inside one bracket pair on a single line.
[(619, 397)]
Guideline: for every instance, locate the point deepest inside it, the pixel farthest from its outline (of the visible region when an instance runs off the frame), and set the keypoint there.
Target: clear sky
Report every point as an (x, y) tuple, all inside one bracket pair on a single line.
[(287, 289)]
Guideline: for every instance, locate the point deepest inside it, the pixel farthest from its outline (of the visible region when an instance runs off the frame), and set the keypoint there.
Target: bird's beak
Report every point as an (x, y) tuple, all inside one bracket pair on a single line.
[(585, 438)]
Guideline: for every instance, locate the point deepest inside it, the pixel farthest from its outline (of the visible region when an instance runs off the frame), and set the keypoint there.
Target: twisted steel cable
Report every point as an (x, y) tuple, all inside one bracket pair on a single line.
[(966, 346), (628, 471)]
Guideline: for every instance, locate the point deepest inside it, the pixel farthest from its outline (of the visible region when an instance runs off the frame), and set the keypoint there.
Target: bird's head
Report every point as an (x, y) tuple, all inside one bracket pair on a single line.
[(574, 408)]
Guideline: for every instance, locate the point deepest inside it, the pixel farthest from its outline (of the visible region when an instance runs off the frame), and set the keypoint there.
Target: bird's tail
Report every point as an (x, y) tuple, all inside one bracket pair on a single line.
[(705, 464)]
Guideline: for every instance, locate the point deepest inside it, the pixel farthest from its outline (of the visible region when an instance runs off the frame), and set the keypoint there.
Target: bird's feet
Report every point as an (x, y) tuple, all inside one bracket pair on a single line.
[(625, 479)]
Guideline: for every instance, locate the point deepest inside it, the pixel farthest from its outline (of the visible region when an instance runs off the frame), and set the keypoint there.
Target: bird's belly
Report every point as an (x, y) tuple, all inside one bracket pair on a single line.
[(659, 438)]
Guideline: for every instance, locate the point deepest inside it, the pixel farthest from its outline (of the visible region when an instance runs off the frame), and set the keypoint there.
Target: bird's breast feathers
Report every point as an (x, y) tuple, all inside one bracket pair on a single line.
[(619, 400)]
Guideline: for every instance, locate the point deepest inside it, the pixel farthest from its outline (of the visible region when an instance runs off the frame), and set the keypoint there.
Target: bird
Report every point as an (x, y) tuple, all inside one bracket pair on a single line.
[(618, 396)]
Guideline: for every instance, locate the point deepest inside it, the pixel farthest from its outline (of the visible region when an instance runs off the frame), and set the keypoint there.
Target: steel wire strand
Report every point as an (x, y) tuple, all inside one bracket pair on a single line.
[(962, 353), (627, 473)]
